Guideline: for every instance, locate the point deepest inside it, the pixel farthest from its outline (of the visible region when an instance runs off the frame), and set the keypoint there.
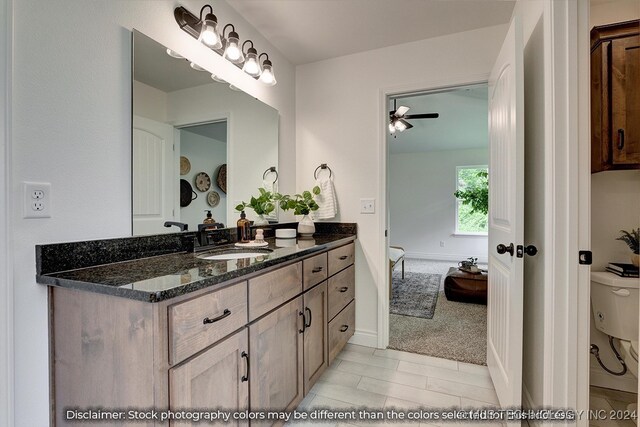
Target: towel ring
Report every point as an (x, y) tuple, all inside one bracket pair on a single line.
[(322, 166), (271, 169)]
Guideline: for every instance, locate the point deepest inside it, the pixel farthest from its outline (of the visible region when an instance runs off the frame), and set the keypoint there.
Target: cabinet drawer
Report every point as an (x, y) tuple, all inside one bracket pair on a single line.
[(341, 290), (341, 328), (314, 270), (198, 323), (340, 258), (268, 291)]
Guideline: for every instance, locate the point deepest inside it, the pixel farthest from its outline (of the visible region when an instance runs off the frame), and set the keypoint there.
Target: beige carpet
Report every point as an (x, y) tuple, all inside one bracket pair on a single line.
[(458, 331)]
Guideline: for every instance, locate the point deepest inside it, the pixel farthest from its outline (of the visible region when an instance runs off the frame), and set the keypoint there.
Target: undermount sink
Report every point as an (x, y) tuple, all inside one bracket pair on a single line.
[(235, 254)]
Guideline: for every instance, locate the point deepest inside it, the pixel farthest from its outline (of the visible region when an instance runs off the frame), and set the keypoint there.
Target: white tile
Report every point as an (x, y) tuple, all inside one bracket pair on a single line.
[(391, 375), (350, 395), (405, 405), (367, 359), (326, 402), (340, 377), (472, 403), (304, 405), (359, 348), (473, 369), (417, 358), (446, 374), (462, 390), (425, 397)]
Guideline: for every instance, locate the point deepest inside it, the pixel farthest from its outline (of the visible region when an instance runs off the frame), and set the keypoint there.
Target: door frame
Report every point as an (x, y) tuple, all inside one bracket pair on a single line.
[(383, 156)]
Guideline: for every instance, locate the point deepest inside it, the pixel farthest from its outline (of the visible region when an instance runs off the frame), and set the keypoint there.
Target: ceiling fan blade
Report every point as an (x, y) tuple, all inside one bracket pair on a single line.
[(423, 116), (406, 124), (401, 111)]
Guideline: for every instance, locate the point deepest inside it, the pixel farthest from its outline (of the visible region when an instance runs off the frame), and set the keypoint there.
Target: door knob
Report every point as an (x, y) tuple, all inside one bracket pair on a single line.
[(529, 250), (504, 249)]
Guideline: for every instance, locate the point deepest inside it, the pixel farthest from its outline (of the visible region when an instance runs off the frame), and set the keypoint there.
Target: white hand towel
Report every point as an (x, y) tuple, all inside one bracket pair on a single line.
[(326, 200)]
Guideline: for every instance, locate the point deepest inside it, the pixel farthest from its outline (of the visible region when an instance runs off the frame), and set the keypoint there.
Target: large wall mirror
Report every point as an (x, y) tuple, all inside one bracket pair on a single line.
[(198, 144)]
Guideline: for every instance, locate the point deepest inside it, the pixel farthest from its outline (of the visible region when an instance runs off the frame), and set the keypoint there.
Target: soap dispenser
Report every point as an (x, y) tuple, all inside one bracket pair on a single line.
[(244, 229), (209, 219)]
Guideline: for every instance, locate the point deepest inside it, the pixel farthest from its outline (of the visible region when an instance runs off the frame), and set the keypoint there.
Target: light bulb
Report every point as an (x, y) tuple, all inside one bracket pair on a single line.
[(251, 65), (400, 126), (267, 76), (209, 32), (232, 50), (392, 128)]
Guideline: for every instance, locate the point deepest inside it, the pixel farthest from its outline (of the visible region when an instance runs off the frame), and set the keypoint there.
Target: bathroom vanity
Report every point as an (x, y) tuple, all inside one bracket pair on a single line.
[(178, 331)]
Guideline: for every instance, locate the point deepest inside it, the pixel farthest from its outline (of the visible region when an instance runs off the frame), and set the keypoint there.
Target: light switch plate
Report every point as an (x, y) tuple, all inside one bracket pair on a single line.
[(37, 199), (367, 206)]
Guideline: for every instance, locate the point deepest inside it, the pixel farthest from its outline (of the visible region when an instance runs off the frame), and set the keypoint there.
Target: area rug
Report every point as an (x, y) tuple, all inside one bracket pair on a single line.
[(416, 295), (457, 331)]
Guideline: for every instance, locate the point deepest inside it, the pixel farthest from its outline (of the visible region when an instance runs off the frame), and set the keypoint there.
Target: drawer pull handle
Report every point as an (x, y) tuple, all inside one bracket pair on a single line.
[(308, 325), (343, 257), (620, 139), (317, 270), (225, 313), (343, 289), (304, 322), (245, 377), (344, 328)]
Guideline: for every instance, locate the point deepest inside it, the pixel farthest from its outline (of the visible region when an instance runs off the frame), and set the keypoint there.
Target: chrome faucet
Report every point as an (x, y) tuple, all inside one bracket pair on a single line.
[(181, 225)]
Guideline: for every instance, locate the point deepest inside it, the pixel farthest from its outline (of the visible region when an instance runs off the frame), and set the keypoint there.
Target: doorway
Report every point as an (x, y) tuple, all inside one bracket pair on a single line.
[(438, 203)]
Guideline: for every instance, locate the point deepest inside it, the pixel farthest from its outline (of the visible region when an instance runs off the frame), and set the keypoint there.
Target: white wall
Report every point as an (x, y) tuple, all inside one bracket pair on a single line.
[(340, 121), (422, 207), (205, 155), (71, 125), (149, 102), (607, 12)]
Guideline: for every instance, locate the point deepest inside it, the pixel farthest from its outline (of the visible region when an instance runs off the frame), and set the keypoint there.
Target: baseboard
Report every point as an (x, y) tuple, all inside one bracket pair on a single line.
[(444, 257), (600, 378), (365, 338), (528, 404)]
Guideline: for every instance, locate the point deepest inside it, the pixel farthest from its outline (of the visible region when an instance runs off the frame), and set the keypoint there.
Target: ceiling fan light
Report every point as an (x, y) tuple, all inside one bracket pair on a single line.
[(392, 128), (209, 35), (399, 126)]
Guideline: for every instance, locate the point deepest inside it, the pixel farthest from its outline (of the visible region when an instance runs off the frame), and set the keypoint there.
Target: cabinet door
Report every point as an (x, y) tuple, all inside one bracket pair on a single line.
[(316, 352), (625, 99), (276, 343), (216, 379)]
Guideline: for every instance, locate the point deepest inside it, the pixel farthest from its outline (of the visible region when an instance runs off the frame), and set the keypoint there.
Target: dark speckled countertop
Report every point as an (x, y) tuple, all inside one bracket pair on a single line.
[(161, 277)]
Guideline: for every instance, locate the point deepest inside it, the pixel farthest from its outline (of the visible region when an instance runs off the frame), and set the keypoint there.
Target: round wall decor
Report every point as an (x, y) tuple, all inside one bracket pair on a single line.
[(213, 198), (185, 165), (221, 179), (203, 182)]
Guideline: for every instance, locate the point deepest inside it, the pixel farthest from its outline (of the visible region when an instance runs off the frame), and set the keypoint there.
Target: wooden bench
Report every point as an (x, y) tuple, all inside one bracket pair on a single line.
[(396, 256)]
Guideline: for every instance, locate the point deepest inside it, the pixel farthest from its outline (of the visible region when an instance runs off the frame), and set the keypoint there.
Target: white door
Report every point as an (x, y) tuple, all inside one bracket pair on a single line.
[(155, 177), (506, 217)]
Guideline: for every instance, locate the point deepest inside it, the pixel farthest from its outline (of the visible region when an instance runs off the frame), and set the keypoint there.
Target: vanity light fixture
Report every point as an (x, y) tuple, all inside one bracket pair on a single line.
[(251, 64), (231, 44), (209, 29), (205, 30), (267, 77)]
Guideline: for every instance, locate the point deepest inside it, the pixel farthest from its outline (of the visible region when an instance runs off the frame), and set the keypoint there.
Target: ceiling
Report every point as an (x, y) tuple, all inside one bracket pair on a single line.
[(463, 121), (312, 30), (152, 66), (217, 130)]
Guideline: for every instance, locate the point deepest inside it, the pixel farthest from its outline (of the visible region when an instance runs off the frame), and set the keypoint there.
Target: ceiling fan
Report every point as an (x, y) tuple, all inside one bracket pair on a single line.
[(398, 118)]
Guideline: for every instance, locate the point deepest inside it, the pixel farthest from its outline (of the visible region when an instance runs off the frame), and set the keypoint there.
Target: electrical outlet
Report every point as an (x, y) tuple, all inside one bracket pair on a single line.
[(37, 200), (367, 206)]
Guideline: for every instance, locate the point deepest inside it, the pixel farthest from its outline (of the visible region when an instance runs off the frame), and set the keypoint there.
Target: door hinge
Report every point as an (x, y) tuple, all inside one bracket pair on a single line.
[(585, 257), (386, 233)]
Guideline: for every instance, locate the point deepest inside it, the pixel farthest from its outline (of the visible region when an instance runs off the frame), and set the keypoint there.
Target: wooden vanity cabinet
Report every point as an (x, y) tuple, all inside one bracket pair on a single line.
[(316, 353), (615, 96), (217, 378)]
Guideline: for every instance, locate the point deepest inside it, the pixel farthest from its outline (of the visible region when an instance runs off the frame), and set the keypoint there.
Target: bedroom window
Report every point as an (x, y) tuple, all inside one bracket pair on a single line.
[(472, 197)]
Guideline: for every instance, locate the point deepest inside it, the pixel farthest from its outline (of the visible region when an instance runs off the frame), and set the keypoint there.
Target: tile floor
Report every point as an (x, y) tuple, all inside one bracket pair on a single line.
[(363, 376), (610, 400)]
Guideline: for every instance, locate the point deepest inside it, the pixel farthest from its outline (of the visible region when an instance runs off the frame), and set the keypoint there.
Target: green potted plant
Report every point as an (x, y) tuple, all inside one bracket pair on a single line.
[(632, 239), (302, 204), (261, 205)]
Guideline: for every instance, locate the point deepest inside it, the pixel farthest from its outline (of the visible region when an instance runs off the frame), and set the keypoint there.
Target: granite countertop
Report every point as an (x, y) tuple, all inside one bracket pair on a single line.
[(166, 276)]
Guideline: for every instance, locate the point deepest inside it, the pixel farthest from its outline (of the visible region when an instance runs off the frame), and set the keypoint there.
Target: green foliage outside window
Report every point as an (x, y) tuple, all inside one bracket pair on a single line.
[(473, 204)]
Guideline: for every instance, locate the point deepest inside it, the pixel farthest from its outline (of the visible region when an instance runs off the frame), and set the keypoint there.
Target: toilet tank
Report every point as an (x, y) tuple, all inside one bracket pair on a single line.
[(614, 302)]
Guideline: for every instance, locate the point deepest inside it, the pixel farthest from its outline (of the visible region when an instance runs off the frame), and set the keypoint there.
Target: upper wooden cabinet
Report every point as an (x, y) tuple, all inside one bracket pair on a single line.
[(615, 96)]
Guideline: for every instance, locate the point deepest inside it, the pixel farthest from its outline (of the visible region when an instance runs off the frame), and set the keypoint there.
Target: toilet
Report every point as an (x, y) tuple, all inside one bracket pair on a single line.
[(614, 302)]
